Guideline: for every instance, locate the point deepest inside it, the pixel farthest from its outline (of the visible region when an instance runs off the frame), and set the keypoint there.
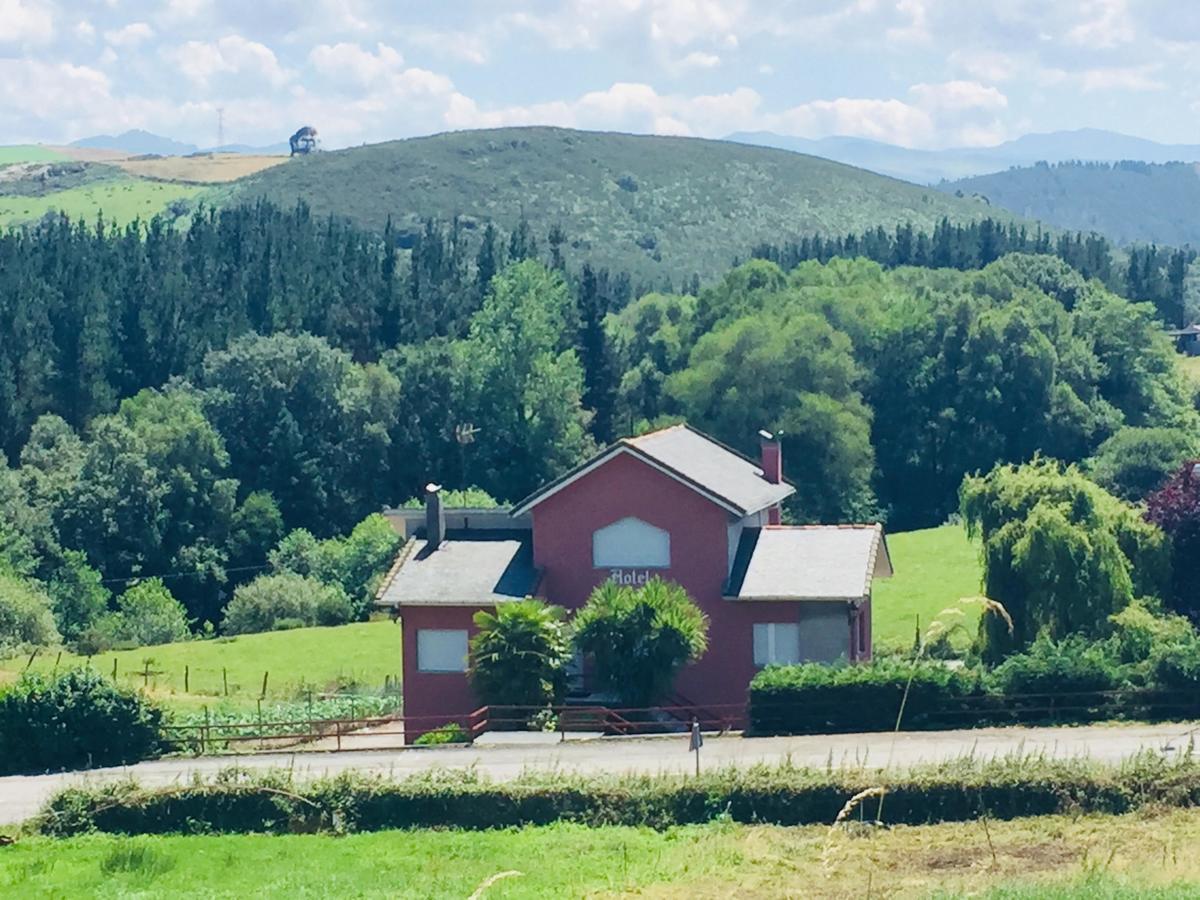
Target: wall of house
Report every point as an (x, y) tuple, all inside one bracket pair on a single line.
[(434, 698), (700, 532)]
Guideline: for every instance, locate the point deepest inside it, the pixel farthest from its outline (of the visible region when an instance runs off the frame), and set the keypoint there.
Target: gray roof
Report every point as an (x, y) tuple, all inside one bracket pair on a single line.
[(703, 464), (818, 562), (468, 569)]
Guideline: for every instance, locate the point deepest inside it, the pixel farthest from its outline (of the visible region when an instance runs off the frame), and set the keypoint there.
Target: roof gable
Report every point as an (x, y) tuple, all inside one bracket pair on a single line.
[(719, 474)]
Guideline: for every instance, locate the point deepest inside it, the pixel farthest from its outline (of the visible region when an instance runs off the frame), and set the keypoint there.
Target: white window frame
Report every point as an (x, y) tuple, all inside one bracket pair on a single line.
[(771, 636), (444, 635), (657, 554)]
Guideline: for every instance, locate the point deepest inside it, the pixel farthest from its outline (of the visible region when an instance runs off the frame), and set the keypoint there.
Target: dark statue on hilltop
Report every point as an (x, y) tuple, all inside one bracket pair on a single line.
[(304, 140)]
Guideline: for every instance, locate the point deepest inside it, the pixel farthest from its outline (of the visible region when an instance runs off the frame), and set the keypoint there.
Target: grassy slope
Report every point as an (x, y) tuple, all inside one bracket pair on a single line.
[(935, 568), (313, 658), (701, 202), (1190, 366), (19, 153), (1046, 857), (1155, 203), (120, 200)]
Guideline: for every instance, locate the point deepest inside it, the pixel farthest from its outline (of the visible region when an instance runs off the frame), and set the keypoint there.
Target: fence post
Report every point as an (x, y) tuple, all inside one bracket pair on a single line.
[(114, 668), (338, 728), (225, 680), (264, 687), (204, 733), (146, 675), (187, 680)]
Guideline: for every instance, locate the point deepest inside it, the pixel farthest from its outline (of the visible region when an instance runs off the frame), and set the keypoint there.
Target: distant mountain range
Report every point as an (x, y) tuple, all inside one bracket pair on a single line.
[(933, 166), (140, 143), (1128, 202)]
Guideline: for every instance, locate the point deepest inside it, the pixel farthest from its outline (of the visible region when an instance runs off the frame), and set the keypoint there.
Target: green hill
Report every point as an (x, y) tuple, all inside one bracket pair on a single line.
[(1127, 202), (651, 205)]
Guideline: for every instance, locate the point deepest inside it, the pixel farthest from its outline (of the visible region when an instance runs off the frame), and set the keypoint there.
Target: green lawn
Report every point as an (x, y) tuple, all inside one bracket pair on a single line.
[(121, 200), (1190, 366), (19, 153), (298, 660), (935, 568), (1076, 857)]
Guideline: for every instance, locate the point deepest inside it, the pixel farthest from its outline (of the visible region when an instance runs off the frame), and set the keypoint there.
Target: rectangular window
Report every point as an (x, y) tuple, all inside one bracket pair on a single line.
[(776, 643), (441, 650)]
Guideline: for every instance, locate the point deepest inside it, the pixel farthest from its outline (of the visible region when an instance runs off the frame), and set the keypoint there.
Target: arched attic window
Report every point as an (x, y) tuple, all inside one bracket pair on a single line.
[(630, 543)]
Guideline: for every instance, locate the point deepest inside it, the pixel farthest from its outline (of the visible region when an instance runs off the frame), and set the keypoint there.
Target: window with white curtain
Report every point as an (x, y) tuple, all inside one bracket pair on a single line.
[(776, 643), (631, 544), (441, 650)]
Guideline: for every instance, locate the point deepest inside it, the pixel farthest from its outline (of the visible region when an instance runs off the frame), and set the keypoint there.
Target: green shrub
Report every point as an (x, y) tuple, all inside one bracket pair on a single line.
[(270, 602), (450, 733), (1137, 631), (961, 790), (1176, 666), (25, 616), (520, 654), (147, 614), (1071, 666), (74, 720), (354, 563), (816, 698)]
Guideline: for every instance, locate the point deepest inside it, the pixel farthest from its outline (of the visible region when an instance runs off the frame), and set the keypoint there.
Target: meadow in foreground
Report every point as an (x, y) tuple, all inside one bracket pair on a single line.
[(1089, 856)]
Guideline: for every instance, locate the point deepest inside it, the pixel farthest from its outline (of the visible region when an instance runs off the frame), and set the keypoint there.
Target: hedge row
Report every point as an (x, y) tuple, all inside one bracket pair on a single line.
[(1071, 681), (957, 791)]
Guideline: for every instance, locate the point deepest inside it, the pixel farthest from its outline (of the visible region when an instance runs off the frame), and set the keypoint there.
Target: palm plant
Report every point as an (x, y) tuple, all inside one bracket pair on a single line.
[(641, 638), (520, 654)]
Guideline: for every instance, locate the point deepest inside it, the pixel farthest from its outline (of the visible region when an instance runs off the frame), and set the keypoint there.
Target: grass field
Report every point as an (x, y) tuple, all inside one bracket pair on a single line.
[(121, 200), (316, 659), (1190, 366), (19, 153), (1055, 857), (935, 568), (206, 169)]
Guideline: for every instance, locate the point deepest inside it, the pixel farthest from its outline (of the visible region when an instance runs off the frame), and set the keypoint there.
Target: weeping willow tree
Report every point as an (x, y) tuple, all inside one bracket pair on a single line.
[(1059, 552)]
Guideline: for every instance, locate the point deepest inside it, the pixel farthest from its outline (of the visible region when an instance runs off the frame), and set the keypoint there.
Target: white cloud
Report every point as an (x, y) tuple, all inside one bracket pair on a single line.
[(985, 64), (84, 30), (1108, 25), (200, 61), (25, 21), (1124, 78), (58, 90), (622, 107), (129, 35), (957, 96), (699, 60), (350, 62)]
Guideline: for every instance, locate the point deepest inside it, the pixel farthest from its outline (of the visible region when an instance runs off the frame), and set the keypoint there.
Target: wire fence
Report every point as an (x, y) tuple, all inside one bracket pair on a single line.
[(363, 730)]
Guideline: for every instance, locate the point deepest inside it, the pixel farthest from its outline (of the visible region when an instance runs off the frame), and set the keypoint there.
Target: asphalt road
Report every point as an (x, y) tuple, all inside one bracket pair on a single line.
[(21, 796)]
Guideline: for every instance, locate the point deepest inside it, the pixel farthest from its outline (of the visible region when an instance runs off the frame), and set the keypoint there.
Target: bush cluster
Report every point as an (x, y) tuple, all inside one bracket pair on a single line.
[(278, 602), (1148, 668), (956, 791), (72, 721)]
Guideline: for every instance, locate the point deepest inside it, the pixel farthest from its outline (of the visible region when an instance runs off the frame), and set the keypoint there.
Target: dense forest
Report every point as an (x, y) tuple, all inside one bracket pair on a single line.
[(174, 401)]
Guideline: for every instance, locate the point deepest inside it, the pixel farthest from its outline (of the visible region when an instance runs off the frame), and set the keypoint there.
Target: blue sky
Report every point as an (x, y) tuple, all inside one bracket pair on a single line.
[(922, 73)]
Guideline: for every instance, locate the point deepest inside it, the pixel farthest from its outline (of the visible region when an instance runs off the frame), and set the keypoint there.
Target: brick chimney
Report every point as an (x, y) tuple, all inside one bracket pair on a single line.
[(772, 466), (435, 517), (772, 457)]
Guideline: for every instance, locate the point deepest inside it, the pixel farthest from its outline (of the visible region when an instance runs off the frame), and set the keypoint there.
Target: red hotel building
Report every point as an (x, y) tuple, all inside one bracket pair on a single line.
[(674, 504)]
